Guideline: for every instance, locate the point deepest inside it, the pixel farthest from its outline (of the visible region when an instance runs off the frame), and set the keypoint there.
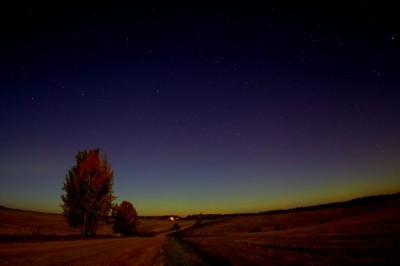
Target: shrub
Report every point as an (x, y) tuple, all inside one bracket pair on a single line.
[(255, 230), (125, 219)]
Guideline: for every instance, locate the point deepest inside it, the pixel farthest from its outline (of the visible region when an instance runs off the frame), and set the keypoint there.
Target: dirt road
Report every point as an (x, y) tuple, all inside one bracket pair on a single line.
[(124, 251), (119, 251)]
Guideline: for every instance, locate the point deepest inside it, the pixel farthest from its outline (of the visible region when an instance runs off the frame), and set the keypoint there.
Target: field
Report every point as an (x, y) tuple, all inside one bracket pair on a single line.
[(363, 234), (27, 224), (122, 251), (368, 234), (34, 238)]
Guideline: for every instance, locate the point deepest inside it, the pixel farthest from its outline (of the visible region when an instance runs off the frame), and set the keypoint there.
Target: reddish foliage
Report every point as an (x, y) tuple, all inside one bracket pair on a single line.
[(125, 219), (88, 188)]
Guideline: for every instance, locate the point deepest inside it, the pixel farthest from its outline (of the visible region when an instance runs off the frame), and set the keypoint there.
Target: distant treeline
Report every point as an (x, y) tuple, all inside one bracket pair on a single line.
[(160, 217), (201, 217), (351, 203), (10, 209)]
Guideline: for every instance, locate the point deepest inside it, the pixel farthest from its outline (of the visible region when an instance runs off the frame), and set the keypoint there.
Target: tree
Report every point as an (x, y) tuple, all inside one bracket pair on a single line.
[(176, 227), (125, 219), (88, 191)]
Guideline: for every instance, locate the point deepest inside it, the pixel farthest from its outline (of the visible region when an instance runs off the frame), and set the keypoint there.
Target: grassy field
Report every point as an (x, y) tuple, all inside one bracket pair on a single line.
[(52, 248), (27, 223), (358, 235), (115, 251), (14, 222), (361, 234), (153, 227)]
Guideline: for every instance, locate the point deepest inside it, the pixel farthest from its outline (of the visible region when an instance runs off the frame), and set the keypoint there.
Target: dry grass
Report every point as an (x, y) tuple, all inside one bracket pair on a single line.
[(13, 222), (116, 251), (358, 235), (367, 234), (27, 223), (294, 220), (154, 226)]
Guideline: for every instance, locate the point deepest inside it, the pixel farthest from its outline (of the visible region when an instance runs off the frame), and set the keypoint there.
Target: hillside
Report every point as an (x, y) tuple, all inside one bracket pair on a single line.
[(18, 223), (363, 232)]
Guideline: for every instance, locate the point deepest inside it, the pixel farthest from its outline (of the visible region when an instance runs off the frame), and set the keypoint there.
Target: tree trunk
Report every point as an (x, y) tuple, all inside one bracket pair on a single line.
[(84, 225), (85, 211)]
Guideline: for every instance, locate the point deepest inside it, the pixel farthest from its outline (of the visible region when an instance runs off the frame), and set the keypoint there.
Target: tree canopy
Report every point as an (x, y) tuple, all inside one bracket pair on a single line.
[(88, 191), (125, 219)]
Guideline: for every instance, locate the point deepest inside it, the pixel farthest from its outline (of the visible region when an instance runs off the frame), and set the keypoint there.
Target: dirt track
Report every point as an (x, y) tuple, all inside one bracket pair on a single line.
[(365, 234), (120, 251), (124, 251)]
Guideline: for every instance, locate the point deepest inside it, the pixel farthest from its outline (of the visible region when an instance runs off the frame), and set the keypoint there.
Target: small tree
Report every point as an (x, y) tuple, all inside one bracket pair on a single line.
[(176, 227), (88, 191), (125, 219)]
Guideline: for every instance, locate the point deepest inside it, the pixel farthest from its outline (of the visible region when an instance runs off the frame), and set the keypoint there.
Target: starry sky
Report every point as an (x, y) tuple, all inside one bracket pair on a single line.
[(213, 107)]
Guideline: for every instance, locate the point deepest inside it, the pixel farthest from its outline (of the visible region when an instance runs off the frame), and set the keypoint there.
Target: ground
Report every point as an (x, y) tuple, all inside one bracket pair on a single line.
[(123, 251), (367, 234)]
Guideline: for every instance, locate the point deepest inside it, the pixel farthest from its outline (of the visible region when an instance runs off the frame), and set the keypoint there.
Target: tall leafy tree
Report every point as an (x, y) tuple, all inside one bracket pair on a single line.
[(88, 191), (125, 219)]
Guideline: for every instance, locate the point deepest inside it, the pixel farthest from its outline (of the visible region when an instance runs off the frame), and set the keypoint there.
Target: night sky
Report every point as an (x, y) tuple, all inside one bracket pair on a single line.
[(202, 107)]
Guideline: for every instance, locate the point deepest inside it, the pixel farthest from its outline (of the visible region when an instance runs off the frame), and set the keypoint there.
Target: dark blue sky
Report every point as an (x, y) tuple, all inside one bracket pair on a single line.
[(202, 107)]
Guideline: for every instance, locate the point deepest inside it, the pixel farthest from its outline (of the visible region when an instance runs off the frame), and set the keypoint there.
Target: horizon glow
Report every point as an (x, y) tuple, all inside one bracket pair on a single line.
[(218, 109)]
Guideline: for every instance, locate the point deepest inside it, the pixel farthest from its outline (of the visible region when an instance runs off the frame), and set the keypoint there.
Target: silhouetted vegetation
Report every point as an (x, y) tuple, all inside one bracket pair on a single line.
[(255, 230), (125, 219), (88, 191), (200, 217), (176, 227), (354, 202), (351, 203), (160, 217)]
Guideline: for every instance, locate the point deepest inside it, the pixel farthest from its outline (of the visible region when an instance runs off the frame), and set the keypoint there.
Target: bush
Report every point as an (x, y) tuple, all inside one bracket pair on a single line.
[(125, 219), (255, 230), (176, 227)]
